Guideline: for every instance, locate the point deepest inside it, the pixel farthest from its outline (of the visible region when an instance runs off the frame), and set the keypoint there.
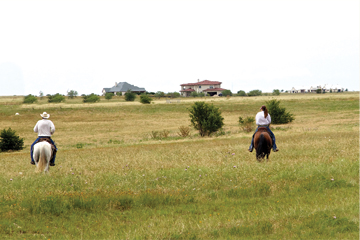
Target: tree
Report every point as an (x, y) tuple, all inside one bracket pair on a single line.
[(276, 92), (91, 98), (56, 98), (201, 94), (10, 141), (241, 93), (318, 90), (41, 95), (254, 93), (277, 113), (72, 93), (109, 95), (145, 99), (130, 96), (159, 94), (29, 99), (226, 93), (173, 94), (205, 118)]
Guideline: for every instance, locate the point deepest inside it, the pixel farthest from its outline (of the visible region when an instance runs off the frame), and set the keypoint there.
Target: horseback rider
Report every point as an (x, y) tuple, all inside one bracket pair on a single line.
[(263, 119), (45, 128)]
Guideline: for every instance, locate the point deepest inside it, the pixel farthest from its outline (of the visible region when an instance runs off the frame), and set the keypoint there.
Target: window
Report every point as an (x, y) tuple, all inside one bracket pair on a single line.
[(199, 86), (211, 87)]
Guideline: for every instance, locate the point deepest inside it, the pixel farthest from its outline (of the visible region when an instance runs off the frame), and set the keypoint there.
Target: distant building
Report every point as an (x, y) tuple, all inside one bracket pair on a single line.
[(213, 88), (123, 87), (312, 89)]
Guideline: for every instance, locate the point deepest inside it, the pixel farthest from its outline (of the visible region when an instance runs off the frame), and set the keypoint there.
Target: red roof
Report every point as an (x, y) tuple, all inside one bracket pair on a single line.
[(188, 90), (205, 82), (214, 89)]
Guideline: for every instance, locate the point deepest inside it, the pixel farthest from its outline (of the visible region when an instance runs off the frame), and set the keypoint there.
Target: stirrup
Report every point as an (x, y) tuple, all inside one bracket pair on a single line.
[(33, 163)]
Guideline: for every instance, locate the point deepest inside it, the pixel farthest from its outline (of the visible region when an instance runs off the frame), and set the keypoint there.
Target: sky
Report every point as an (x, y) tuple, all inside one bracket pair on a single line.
[(57, 46)]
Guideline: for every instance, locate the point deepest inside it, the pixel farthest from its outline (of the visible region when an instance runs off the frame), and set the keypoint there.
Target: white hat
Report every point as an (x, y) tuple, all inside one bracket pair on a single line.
[(45, 115)]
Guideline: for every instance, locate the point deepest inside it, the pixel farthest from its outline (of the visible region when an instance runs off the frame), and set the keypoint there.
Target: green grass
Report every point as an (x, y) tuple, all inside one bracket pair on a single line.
[(113, 181)]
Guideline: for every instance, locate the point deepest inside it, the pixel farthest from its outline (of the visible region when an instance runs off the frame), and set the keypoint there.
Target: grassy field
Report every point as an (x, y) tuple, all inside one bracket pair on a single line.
[(112, 180)]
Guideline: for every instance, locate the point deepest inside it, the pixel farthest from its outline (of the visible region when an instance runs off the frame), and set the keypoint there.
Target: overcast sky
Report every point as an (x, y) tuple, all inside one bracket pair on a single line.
[(55, 46)]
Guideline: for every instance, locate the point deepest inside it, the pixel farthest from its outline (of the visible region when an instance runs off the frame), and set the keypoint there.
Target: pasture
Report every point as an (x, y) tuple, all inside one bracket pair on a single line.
[(113, 180)]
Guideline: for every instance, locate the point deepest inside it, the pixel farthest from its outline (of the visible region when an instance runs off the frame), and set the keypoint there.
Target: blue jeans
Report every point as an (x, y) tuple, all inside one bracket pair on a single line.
[(271, 135), (32, 149)]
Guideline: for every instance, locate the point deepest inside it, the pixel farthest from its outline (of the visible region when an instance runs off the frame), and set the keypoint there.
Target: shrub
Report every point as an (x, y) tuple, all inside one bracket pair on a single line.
[(109, 95), (145, 99), (276, 92), (226, 93), (247, 124), (184, 131), (205, 118), (92, 98), (201, 94), (130, 96), (173, 94), (30, 99), (254, 93), (278, 114), (194, 94), (241, 93), (318, 90), (10, 141), (56, 98)]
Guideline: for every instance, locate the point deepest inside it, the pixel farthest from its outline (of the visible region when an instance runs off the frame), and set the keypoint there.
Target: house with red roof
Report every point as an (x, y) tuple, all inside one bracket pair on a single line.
[(213, 88)]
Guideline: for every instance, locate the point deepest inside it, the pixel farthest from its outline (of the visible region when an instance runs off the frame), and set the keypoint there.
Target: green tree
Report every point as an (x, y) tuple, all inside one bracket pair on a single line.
[(130, 96), (109, 95), (226, 93), (41, 95), (145, 99), (318, 90), (72, 93), (254, 93), (276, 92), (278, 114), (10, 141), (91, 98), (159, 94), (241, 93), (56, 98), (201, 94), (29, 99), (205, 118)]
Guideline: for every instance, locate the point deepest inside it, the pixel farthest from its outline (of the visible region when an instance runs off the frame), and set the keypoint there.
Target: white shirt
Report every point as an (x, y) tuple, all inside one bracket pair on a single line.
[(44, 128), (261, 120)]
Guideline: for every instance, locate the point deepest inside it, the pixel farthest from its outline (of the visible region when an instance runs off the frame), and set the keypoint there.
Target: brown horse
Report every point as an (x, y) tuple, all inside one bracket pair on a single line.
[(262, 143)]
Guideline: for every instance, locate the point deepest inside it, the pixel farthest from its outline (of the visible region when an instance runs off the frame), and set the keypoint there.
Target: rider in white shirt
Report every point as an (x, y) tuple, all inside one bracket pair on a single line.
[(45, 128), (263, 119)]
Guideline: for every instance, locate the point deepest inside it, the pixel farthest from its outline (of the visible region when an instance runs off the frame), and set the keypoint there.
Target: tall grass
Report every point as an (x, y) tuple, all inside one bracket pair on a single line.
[(185, 188)]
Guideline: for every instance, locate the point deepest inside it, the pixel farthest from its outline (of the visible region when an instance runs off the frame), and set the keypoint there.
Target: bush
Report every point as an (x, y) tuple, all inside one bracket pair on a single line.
[(247, 124), (109, 95), (318, 90), (184, 131), (173, 94), (30, 99), (278, 114), (130, 96), (92, 98), (241, 93), (145, 99), (194, 94), (56, 98), (226, 93), (276, 92), (205, 118), (9, 141), (159, 94), (254, 93), (201, 94)]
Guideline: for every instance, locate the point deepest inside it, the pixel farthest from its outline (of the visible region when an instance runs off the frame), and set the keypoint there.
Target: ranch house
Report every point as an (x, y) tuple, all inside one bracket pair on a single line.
[(122, 88), (213, 88)]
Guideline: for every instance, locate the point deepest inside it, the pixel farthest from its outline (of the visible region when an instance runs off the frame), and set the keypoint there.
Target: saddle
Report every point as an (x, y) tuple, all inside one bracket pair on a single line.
[(263, 129), (53, 148)]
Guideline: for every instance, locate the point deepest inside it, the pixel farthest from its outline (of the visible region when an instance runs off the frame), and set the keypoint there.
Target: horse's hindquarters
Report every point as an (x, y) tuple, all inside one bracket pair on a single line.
[(42, 155)]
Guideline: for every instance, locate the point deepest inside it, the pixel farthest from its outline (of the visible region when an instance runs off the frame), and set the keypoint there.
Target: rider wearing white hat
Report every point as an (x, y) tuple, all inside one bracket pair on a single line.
[(45, 128)]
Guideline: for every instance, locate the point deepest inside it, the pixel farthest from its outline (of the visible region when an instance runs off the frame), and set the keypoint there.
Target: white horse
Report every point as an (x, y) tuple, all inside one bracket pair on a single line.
[(42, 154)]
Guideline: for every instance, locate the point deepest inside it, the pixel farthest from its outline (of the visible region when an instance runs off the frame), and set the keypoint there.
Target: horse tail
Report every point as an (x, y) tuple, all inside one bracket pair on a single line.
[(261, 147), (42, 159)]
